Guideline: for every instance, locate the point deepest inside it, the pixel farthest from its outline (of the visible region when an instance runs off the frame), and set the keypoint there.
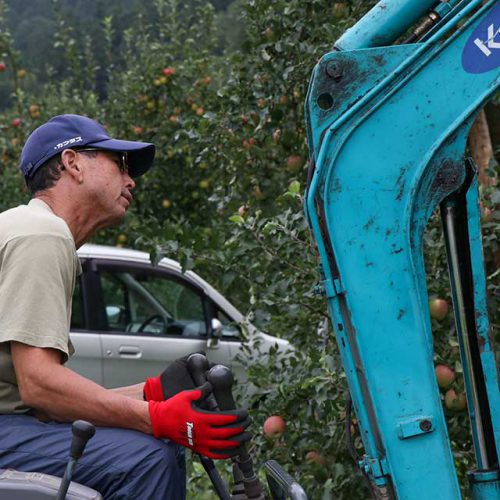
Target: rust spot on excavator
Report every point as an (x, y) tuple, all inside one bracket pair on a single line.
[(379, 60), (369, 223), (448, 177), (336, 186), (400, 183)]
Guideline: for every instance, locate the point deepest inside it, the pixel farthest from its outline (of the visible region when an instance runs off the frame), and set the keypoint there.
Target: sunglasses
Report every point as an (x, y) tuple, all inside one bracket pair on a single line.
[(122, 157)]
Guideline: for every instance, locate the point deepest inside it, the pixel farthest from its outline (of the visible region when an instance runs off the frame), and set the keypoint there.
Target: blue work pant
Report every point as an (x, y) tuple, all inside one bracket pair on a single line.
[(119, 463)]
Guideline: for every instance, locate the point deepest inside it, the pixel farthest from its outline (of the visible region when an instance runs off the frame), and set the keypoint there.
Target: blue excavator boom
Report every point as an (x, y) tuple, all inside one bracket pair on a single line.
[(388, 113)]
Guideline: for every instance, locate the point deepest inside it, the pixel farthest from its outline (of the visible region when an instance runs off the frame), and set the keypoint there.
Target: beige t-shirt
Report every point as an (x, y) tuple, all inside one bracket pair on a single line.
[(38, 271)]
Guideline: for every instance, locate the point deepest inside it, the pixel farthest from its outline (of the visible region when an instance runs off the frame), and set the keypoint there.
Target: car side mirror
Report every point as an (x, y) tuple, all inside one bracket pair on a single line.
[(215, 333)]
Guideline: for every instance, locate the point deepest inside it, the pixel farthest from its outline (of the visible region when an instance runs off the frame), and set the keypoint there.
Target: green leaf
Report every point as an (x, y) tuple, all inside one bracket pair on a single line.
[(294, 187), (237, 219)]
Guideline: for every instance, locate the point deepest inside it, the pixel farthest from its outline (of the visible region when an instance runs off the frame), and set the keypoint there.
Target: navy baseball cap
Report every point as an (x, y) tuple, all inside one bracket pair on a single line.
[(75, 131)]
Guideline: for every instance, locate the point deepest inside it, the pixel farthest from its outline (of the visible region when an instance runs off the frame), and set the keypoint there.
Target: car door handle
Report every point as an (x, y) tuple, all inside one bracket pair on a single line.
[(129, 351)]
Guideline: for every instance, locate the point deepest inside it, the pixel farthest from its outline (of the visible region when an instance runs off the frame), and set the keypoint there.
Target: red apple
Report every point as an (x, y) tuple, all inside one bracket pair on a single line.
[(454, 401), (274, 427), (461, 403), (34, 111), (257, 192), (486, 214), (340, 9), (445, 376), (294, 163), (168, 71), (3, 66), (268, 33), (314, 456), (247, 144), (438, 308), (16, 122)]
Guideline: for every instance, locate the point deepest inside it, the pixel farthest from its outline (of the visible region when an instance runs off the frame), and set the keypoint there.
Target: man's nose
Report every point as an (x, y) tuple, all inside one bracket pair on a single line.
[(129, 182)]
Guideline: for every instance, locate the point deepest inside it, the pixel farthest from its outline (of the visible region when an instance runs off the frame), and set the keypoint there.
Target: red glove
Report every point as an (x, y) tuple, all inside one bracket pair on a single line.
[(213, 434), (153, 390)]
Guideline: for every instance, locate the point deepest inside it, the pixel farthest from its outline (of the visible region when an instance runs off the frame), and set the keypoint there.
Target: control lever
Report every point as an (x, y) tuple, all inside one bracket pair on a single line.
[(221, 378), (198, 365), (281, 484), (82, 432)]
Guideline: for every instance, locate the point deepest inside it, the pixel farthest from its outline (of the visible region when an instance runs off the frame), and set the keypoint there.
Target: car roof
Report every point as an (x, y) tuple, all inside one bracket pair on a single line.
[(109, 252), (104, 252)]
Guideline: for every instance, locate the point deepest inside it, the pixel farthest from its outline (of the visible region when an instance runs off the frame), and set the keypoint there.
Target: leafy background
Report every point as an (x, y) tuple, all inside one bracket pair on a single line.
[(225, 194)]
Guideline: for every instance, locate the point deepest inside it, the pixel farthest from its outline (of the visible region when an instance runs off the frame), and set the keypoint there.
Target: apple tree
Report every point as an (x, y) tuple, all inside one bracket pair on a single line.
[(225, 198)]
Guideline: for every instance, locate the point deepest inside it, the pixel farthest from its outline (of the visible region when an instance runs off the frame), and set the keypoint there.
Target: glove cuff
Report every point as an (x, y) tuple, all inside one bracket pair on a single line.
[(153, 389), (153, 408)]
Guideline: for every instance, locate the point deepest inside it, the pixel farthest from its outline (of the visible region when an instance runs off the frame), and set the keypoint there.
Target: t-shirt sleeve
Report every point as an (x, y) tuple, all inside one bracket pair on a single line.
[(37, 279)]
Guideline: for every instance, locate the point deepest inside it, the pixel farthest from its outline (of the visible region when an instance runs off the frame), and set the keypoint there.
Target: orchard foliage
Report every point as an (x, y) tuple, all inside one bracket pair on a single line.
[(225, 197)]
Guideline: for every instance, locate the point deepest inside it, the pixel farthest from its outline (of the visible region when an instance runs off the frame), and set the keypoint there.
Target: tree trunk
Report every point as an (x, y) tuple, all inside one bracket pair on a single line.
[(481, 149)]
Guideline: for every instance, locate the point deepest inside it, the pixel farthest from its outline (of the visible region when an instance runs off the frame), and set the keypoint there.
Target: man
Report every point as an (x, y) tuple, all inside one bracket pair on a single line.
[(82, 180)]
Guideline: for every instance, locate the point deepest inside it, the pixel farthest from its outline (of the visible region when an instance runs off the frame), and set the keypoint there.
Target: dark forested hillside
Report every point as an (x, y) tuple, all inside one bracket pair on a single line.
[(38, 27)]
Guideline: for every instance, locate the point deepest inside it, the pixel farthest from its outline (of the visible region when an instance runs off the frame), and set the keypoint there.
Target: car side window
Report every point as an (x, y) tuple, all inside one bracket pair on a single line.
[(141, 301)]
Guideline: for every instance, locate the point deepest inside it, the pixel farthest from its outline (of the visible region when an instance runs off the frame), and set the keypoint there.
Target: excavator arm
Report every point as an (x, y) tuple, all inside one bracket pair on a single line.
[(388, 113)]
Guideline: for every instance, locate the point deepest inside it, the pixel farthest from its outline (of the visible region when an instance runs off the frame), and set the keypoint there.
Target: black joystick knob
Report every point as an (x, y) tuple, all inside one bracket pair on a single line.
[(221, 378), (82, 432), (197, 366)]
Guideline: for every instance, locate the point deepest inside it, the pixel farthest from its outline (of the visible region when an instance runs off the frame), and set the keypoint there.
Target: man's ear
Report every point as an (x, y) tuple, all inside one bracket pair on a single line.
[(72, 164)]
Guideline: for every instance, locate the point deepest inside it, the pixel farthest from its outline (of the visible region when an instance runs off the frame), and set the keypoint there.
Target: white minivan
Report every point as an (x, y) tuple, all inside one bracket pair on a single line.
[(131, 318)]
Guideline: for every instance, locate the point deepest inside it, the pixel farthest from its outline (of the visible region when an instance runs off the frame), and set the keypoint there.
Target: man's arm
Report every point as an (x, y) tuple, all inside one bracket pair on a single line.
[(62, 394), (135, 391)]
